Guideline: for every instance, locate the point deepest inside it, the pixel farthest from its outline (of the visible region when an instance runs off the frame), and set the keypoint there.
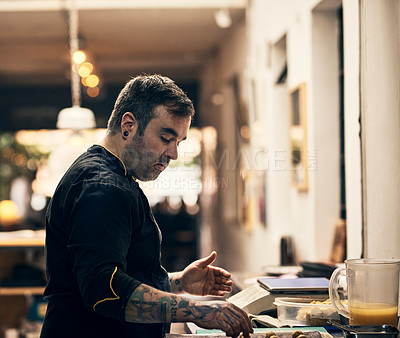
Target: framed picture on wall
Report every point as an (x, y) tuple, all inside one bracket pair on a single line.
[(298, 137)]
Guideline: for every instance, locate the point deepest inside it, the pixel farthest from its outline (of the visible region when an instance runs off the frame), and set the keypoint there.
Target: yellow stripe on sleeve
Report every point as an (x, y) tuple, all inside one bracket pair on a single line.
[(112, 290)]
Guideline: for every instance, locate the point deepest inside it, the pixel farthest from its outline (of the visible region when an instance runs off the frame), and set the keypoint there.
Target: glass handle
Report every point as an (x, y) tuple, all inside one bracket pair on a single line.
[(334, 293)]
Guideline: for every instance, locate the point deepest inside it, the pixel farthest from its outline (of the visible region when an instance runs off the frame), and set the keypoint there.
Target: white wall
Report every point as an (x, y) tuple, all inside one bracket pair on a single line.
[(304, 33), (325, 128), (276, 31), (222, 65), (311, 47)]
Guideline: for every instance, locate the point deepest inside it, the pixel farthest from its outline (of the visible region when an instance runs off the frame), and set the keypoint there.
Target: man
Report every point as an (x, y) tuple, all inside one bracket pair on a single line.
[(104, 273)]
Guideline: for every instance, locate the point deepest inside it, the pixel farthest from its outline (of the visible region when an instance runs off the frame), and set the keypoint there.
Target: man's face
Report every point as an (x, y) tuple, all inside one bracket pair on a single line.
[(146, 156)]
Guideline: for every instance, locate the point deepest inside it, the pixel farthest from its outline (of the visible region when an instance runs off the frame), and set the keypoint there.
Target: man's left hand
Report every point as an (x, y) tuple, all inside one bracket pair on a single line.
[(201, 278)]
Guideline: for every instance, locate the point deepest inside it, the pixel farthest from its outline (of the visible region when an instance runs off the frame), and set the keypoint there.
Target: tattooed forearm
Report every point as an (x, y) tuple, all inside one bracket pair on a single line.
[(174, 309), (208, 313), (148, 305), (203, 312)]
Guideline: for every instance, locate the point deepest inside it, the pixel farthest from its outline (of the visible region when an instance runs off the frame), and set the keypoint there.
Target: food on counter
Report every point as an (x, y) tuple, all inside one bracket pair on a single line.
[(297, 334), (270, 334), (317, 315)]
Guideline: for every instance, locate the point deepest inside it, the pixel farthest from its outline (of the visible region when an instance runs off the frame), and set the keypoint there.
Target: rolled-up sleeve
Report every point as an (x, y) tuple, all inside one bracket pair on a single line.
[(101, 224)]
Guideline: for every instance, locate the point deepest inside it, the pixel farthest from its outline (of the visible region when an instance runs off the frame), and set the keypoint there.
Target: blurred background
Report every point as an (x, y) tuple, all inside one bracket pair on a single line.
[(293, 155)]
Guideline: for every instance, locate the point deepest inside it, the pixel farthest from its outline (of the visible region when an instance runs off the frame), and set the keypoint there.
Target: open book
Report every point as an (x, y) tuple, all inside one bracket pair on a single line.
[(256, 300)]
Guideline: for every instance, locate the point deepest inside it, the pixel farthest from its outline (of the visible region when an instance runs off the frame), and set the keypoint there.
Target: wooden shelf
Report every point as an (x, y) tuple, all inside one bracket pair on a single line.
[(22, 291), (21, 242), (24, 238)]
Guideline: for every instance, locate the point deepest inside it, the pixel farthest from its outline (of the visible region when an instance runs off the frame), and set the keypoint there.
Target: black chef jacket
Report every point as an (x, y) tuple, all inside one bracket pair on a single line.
[(101, 243)]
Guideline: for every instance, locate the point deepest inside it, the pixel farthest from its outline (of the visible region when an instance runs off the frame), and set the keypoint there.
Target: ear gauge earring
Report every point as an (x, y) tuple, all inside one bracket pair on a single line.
[(126, 133)]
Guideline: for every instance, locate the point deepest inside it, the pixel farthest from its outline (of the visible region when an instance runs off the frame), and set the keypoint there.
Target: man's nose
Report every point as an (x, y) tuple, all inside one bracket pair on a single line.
[(172, 152)]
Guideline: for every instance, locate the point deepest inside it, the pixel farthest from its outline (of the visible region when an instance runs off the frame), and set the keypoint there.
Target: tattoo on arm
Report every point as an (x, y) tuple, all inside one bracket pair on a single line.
[(148, 305), (207, 313), (174, 309), (178, 284)]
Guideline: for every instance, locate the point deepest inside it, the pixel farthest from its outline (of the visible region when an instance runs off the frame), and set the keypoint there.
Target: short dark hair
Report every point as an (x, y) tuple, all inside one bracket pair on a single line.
[(142, 94)]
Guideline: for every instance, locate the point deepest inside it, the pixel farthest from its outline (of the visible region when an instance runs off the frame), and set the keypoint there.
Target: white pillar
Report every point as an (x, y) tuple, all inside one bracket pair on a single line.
[(351, 50), (380, 126)]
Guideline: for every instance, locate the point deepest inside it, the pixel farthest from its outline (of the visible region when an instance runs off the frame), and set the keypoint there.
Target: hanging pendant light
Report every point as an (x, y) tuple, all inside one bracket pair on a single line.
[(223, 18), (75, 117)]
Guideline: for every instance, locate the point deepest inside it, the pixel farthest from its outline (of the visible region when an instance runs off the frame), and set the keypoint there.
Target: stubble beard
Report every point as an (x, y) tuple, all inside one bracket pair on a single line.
[(139, 161)]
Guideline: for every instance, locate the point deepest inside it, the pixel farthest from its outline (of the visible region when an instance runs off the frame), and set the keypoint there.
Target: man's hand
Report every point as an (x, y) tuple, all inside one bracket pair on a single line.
[(149, 305), (200, 278), (221, 315)]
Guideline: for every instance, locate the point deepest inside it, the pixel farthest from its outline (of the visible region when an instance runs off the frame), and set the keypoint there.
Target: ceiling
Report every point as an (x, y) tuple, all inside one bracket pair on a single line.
[(121, 38)]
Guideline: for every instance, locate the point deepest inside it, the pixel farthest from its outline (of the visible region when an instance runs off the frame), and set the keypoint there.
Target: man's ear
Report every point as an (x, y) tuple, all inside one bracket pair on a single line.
[(129, 124)]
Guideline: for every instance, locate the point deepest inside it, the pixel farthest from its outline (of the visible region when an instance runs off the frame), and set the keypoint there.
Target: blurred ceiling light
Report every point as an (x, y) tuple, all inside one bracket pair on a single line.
[(244, 132), (92, 80), (175, 202), (85, 69), (192, 146), (93, 91), (75, 117), (9, 213), (217, 99), (19, 160), (223, 18), (190, 199), (79, 57), (209, 137), (38, 201)]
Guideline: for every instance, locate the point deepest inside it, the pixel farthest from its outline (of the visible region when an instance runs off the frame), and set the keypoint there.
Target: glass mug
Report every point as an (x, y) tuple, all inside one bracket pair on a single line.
[(372, 291)]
